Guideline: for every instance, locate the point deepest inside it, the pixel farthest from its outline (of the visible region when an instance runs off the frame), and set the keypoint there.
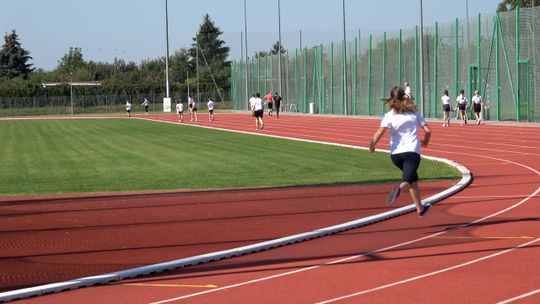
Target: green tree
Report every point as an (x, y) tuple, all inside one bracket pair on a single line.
[(509, 5), (212, 58), (14, 59), (72, 60)]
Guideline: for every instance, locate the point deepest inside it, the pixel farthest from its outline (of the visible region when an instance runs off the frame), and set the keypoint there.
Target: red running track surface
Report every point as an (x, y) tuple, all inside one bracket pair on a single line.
[(479, 246)]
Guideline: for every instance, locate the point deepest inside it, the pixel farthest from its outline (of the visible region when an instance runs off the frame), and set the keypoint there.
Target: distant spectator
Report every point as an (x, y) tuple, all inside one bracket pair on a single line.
[(180, 110), (210, 105), (145, 104), (128, 108)]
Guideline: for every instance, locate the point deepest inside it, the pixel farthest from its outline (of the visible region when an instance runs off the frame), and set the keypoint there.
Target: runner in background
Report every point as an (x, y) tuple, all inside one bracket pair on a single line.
[(210, 105), (461, 106), (277, 103), (257, 110), (478, 104), (128, 108), (145, 104), (269, 102), (190, 107), (403, 121), (446, 109), (179, 110)]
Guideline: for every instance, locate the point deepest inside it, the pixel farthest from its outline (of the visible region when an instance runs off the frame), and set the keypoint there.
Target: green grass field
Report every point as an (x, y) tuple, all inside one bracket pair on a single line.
[(97, 155)]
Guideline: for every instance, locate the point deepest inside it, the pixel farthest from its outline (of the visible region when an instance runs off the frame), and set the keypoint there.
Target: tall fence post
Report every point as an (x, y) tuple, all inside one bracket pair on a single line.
[(369, 75), (435, 67)]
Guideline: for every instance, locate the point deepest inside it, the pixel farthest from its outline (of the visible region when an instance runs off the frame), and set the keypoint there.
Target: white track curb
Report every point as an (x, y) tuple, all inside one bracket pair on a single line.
[(466, 179)]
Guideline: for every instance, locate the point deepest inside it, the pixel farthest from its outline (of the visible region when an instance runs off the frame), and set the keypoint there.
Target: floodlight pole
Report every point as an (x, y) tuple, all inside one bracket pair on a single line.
[(167, 46), (246, 46), (421, 89), (346, 112), (279, 48)]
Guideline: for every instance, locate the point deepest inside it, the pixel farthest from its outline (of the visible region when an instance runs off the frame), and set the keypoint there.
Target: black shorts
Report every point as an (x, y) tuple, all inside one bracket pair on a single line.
[(258, 113), (180, 112), (408, 163), (211, 111), (194, 109), (270, 106), (477, 107), (446, 108), (462, 106), (146, 108), (129, 111)]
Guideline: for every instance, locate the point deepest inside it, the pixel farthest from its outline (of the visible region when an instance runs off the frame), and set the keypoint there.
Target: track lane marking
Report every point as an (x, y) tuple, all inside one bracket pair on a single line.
[(430, 273), (169, 285), (534, 194), (525, 295)]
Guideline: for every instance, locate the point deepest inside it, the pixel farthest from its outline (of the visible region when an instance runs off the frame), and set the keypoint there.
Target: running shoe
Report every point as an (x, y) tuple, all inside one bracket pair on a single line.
[(425, 210), (394, 193)]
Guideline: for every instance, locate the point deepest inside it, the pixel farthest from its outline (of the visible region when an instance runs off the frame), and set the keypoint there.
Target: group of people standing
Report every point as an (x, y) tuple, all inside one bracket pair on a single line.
[(192, 105), (145, 103), (461, 106), (193, 108), (273, 101)]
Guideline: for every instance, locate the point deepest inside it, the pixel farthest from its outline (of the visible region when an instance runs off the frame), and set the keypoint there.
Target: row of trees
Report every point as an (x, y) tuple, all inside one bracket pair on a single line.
[(19, 78)]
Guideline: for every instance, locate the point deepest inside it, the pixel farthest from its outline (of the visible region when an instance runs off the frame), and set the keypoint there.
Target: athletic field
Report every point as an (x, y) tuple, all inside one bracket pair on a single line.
[(109, 155)]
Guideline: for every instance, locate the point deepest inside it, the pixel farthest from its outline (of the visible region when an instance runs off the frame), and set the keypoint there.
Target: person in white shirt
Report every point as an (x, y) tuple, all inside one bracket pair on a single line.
[(462, 105), (257, 110), (128, 108), (478, 104), (145, 104), (446, 109), (403, 121), (180, 110), (408, 91), (210, 105)]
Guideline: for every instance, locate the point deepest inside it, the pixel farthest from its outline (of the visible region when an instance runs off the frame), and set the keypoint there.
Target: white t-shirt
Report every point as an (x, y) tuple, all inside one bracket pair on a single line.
[(403, 131), (128, 106), (256, 104), (210, 105), (477, 99), (445, 100), (179, 107), (408, 91), (461, 99)]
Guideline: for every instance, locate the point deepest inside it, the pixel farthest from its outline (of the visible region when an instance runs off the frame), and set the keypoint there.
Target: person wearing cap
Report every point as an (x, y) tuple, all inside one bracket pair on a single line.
[(404, 121), (478, 103)]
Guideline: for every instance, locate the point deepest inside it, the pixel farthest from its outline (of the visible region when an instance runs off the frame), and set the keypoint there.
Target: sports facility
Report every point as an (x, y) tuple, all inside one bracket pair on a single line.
[(108, 198)]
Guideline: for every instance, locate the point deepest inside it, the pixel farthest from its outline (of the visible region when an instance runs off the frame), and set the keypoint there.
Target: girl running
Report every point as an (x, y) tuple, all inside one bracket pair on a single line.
[(403, 121)]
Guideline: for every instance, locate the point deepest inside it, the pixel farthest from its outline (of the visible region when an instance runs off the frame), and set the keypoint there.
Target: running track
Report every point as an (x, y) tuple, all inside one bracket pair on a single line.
[(479, 246)]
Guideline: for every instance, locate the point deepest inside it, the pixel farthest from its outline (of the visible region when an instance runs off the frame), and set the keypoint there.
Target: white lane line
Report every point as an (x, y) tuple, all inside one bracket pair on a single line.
[(523, 296), (371, 253), (429, 274), (534, 194)]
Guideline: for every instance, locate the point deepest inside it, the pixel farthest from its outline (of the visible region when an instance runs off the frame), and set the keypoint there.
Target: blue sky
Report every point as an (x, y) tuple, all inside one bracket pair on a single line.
[(135, 29)]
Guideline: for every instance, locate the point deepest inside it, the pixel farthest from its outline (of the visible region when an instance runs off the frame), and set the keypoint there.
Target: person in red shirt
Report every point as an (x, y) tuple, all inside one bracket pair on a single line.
[(270, 102)]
